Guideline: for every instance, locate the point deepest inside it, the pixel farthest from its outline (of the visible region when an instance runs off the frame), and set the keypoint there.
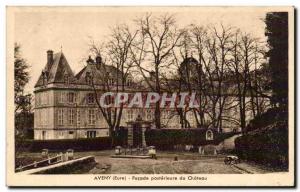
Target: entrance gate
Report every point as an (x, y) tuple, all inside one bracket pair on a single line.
[(137, 135), (136, 132)]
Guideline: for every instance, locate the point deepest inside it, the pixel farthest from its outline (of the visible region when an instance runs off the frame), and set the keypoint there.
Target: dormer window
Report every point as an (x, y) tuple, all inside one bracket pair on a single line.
[(45, 78), (88, 78), (66, 79), (90, 98), (129, 81), (111, 81)]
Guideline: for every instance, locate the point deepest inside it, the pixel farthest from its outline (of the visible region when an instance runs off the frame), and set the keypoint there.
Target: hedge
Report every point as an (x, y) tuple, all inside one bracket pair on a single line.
[(80, 144), (120, 137), (268, 146), (169, 138), (160, 138), (86, 144), (270, 116)]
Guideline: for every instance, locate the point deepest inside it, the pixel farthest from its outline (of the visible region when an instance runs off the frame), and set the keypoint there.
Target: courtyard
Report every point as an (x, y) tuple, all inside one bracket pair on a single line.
[(186, 163)]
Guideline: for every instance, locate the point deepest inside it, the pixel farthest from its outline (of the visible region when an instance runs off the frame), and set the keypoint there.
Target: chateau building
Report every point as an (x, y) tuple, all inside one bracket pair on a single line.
[(66, 107)]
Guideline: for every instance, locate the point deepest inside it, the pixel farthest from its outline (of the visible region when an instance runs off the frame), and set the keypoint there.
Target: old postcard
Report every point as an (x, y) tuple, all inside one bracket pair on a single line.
[(150, 96)]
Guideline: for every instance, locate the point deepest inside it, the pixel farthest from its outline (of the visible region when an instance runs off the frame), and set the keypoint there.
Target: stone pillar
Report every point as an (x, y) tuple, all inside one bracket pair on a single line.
[(143, 137), (130, 134), (200, 150), (142, 125), (145, 125)]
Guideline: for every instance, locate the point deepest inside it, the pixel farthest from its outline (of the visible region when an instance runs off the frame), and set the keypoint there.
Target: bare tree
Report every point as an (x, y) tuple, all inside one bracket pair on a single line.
[(174, 83), (116, 52), (215, 67), (158, 37), (223, 77), (246, 58)]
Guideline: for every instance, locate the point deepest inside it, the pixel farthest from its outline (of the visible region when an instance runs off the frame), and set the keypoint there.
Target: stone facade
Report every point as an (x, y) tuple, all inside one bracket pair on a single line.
[(65, 107)]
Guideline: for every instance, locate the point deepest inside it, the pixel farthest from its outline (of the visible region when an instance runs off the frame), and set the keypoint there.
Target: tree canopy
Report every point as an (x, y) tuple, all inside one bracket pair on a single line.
[(277, 33), (21, 76)]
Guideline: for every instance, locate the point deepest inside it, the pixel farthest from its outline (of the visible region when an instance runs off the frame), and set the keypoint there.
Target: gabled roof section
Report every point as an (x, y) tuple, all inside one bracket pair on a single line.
[(98, 73), (56, 71)]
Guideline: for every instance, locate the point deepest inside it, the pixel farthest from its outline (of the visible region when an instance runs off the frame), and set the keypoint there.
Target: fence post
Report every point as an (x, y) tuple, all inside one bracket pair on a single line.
[(70, 154), (35, 164), (45, 153)]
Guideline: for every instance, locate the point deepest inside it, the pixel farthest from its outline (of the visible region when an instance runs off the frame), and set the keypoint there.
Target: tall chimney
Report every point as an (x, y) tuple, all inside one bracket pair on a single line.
[(98, 61), (49, 56), (90, 60)]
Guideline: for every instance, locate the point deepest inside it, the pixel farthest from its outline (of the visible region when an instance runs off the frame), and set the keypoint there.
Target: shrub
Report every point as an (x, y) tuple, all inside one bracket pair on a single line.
[(120, 137), (85, 144), (167, 139), (80, 144), (268, 146), (267, 118)]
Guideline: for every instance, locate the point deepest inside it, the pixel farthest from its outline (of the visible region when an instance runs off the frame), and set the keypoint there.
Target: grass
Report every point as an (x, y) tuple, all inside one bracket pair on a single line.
[(187, 163)]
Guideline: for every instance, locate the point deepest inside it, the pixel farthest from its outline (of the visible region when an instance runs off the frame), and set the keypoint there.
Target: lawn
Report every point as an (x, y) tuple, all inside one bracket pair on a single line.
[(186, 163)]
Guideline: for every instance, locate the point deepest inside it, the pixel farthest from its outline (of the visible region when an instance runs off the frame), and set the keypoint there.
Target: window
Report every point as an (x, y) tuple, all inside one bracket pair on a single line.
[(111, 81), (45, 79), (91, 117), (60, 134), (44, 135), (142, 113), (209, 135), (78, 117), (37, 99), (88, 78), (39, 121), (130, 114), (61, 97), (129, 81), (168, 114), (45, 98), (71, 97), (42, 117), (60, 116), (99, 114), (36, 116), (91, 134), (45, 117), (90, 98), (149, 114), (66, 79), (71, 116)]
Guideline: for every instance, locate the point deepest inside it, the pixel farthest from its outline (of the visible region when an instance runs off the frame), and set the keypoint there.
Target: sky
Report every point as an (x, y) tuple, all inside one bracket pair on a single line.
[(69, 29)]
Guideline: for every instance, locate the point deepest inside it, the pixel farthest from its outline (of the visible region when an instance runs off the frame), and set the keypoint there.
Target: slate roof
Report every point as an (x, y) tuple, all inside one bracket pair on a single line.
[(59, 67), (99, 73), (56, 70)]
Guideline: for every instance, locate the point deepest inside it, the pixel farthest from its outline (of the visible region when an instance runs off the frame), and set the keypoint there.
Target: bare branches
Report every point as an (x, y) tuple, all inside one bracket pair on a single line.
[(225, 70)]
